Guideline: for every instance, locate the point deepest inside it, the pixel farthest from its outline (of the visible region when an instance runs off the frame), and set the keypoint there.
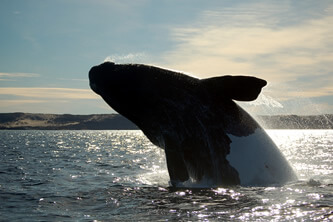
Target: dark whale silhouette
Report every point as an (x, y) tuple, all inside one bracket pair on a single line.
[(196, 122)]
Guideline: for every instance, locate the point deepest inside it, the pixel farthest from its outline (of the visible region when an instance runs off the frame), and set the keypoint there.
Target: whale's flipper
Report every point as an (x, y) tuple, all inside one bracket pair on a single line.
[(241, 88), (175, 162)]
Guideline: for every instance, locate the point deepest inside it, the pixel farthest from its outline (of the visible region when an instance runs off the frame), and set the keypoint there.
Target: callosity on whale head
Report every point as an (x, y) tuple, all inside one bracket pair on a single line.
[(208, 139)]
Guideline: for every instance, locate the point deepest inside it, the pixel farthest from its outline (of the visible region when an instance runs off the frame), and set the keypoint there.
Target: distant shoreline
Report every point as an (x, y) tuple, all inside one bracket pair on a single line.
[(38, 121)]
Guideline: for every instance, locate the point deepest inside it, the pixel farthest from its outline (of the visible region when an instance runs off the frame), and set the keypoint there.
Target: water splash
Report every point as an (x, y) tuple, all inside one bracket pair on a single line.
[(127, 58), (267, 101), (263, 105)]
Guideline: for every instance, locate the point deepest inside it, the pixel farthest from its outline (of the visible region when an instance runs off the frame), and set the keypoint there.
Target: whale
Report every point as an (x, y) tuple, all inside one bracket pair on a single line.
[(207, 137)]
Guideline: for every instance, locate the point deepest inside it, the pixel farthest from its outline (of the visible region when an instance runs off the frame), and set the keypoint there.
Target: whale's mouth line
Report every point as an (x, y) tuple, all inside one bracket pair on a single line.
[(96, 89)]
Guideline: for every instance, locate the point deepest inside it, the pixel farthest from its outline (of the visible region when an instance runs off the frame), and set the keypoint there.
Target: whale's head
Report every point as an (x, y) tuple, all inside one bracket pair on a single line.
[(117, 84), (98, 76), (112, 78)]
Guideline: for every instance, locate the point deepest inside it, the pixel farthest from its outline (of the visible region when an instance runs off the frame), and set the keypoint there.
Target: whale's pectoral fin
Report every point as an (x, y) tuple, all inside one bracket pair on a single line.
[(176, 167), (241, 88), (175, 162)]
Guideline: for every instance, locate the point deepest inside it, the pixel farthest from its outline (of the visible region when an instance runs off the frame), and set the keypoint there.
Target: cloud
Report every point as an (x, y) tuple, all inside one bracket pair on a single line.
[(244, 49), (55, 106), (77, 80), (49, 93), (254, 43), (18, 75), (51, 100), (7, 80), (9, 77), (7, 102)]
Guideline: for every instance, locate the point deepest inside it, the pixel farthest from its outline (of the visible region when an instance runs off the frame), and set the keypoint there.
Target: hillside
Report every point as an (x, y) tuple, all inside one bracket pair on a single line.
[(118, 122), (64, 122)]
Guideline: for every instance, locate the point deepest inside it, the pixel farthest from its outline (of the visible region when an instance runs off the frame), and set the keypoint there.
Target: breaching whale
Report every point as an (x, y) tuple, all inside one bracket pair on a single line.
[(205, 134)]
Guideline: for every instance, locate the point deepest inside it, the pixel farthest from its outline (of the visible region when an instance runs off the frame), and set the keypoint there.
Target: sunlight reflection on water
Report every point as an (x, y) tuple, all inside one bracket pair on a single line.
[(121, 176), (309, 151)]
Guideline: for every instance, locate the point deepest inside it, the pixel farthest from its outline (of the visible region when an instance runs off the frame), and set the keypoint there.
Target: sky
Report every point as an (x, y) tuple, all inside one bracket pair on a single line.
[(47, 48)]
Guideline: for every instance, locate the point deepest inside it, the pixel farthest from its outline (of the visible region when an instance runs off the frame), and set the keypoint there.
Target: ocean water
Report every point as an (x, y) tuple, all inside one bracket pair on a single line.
[(121, 176)]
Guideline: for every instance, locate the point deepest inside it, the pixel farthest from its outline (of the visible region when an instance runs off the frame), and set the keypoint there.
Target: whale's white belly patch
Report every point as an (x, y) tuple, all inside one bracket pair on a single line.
[(258, 160)]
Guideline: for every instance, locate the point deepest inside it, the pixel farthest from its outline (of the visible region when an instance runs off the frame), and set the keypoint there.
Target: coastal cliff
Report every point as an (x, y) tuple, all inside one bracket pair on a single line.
[(64, 121)]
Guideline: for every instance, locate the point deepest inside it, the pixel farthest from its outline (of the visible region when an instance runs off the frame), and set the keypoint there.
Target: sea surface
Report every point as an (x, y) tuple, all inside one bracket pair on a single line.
[(121, 176)]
